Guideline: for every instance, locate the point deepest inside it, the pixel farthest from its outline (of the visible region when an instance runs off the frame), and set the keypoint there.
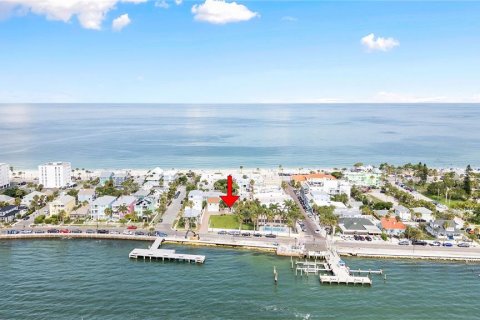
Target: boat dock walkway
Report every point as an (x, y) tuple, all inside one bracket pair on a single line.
[(341, 273), (155, 253)]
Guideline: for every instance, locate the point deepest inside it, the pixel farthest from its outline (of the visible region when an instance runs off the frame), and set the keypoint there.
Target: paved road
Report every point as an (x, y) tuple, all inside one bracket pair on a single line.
[(310, 224), (173, 209), (383, 197)]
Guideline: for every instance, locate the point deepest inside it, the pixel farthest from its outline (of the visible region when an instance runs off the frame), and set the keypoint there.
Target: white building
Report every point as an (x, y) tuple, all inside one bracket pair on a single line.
[(55, 174), (4, 176)]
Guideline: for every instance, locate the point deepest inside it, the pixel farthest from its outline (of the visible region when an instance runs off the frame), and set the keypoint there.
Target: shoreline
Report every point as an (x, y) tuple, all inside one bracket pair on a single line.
[(345, 252)]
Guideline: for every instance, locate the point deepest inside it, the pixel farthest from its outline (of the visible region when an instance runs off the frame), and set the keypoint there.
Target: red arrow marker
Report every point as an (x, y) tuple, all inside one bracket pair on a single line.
[(229, 199)]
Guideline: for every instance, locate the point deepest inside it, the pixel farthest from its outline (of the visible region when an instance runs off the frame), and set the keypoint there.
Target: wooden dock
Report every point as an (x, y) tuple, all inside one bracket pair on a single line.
[(155, 253), (341, 273)]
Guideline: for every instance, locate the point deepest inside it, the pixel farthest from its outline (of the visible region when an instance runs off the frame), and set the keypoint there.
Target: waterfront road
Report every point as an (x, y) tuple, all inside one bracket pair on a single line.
[(172, 211)]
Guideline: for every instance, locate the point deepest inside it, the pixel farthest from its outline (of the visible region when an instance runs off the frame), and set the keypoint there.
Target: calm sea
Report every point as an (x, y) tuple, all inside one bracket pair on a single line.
[(212, 136), (82, 279)]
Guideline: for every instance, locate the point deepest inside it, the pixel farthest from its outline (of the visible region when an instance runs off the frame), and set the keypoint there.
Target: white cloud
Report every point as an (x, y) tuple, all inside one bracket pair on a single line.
[(121, 22), (222, 12), (393, 97), (379, 43), (289, 18), (90, 13), (178, 2), (162, 4)]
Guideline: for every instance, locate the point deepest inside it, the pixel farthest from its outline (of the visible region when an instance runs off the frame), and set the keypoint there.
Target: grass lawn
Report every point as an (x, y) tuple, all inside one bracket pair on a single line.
[(229, 221), (441, 200)]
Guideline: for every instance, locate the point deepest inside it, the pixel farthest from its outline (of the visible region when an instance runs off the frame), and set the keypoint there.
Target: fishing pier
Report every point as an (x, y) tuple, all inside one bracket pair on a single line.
[(155, 253)]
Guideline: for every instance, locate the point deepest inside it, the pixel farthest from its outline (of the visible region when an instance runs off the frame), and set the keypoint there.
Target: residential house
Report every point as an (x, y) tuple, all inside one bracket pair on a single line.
[(213, 204), (381, 213), (348, 212), (98, 206), (127, 201), (140, 194), (80, 213), (7, 199), (423, 214), (27, 200), (64, 202), (87, 195), (117, 178), (8, 213), (444, 229), (402, 212), (360, 226), (144, 204), (392, 227)]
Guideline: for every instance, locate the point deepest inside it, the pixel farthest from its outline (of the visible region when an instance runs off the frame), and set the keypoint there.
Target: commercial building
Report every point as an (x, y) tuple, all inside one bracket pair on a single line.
[(4, 176)]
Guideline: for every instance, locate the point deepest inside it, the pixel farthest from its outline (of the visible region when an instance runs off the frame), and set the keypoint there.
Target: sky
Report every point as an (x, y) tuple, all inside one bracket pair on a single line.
[(222, 51)]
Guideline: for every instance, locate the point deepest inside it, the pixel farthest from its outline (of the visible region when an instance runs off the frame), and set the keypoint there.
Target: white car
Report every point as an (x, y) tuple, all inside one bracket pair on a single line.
[(128, 232), (317, 231)]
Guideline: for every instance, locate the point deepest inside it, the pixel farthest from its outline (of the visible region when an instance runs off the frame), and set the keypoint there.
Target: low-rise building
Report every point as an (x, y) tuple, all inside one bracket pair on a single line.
[(127, 201), (32, 196), (80, 213), (213, 204), (402, 212), (359, 226), (8, 213), (444, 229), (370, 178), (392, 227), (86, 195), (64, 203), (423, 214), (98, 206), (7, 199), (144, 204)]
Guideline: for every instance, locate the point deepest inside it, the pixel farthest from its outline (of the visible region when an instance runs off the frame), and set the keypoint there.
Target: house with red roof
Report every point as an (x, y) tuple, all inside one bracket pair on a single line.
[(392, 227)]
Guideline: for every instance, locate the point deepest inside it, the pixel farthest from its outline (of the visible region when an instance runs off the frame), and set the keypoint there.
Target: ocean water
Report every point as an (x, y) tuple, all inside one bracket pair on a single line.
[(88, 279), (213, 136)]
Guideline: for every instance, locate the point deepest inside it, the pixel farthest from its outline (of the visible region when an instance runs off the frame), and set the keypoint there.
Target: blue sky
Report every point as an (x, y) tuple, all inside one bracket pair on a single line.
[(248, 51)]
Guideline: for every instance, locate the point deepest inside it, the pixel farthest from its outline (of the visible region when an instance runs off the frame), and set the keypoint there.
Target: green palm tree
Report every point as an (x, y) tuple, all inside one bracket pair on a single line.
[(122, 209), (108, 212)]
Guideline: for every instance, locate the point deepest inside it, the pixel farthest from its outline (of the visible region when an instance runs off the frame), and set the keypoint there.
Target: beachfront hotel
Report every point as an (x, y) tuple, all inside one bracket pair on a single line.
[(4, 176), (55, 174)]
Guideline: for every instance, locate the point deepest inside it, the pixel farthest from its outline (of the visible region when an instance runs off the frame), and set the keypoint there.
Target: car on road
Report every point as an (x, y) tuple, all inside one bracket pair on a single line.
[(64, 231), (464, 245), (53, 231), (132, 227), (317, 231), (76, 231), (127, 232), (90, 231), (258, 235), (114, 232), (12, 232), (26, 231), (246, 234), (419, 243), (139, 233), (103, 231), (447, 244), (222, 232), (270, 235), (177, 194), (435, 244), (404, 243), (160, 234), (39, 231), (368, 238), (26, 217)]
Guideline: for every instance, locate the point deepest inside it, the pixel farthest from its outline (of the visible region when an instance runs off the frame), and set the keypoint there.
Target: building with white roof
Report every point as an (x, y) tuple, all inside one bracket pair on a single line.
[(98, 206), (55, 174), (64, 203), (4, 176)]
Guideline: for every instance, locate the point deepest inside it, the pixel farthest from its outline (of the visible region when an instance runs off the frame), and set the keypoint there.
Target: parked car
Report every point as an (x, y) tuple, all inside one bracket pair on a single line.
[(317, 231), (270, 235), (53, 231), (139, 233), (258, 235), (90, 231), (12, 232), (132, 227), (368, 238), (64, 231), (464, 245), (222, 232), (435, 244), (102, 231), (128, 232), (448, 244), (246, 234), (160, 234), (404, 242), (39, 231), (76, 231), (114, 232), (419, 243)]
